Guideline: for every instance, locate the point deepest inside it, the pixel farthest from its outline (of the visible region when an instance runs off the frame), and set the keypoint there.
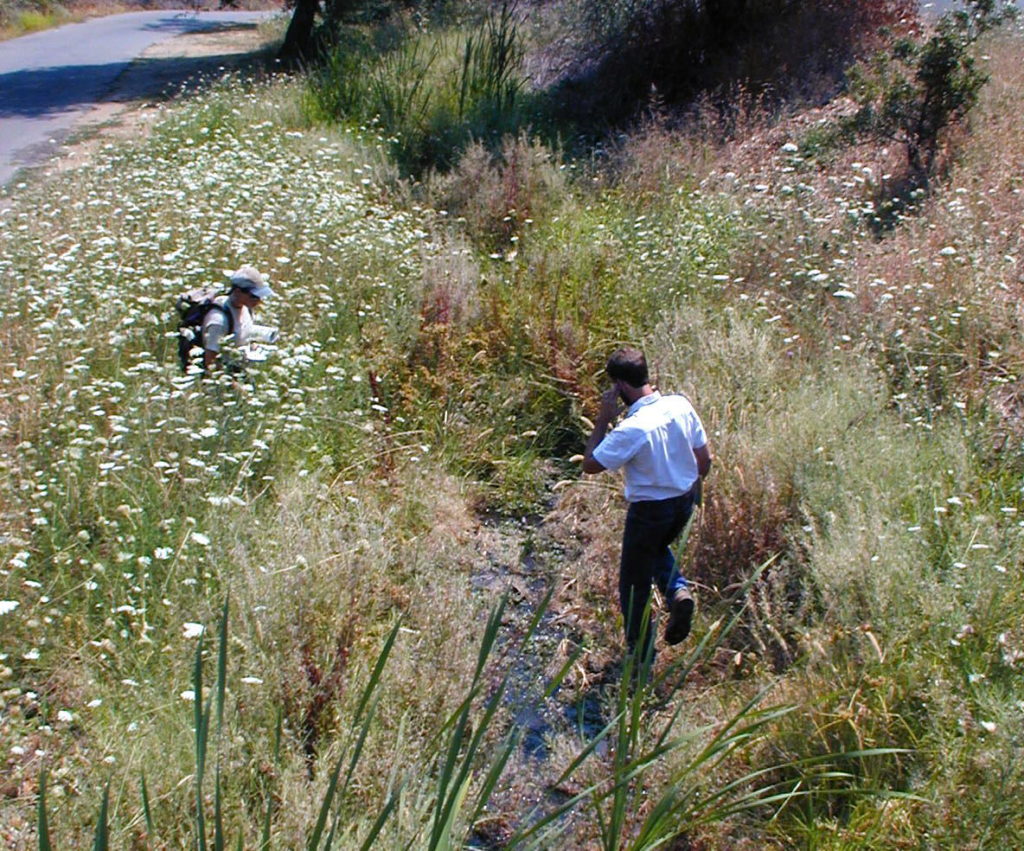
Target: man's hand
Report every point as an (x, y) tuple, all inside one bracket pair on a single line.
[(610, 405), (609, 410)]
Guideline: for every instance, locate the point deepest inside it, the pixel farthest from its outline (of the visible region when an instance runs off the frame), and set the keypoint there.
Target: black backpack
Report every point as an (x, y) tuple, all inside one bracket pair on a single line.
[(192, 309)]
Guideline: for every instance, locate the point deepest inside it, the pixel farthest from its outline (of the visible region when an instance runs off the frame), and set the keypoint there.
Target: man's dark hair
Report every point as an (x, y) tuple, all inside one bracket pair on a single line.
[(630, 366)]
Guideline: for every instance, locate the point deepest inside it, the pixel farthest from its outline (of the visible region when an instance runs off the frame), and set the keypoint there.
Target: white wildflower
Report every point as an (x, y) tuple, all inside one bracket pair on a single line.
[(192, 630)]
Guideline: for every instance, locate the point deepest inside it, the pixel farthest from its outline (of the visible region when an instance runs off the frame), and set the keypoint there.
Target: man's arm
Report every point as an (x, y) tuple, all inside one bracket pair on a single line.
[(216, 325), (703, 456), (609, 410)]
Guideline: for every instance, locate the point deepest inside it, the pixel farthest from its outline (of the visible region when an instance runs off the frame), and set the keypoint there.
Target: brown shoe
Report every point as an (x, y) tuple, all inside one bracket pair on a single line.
[(680, 616)]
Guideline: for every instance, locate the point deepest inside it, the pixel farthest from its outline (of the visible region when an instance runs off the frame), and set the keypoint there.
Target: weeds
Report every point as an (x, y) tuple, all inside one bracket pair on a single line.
[(858, 390), (920, 91), (430, 94), (495, 197)]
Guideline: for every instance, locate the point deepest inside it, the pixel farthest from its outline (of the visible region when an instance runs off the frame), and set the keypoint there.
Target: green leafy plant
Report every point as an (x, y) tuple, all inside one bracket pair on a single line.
[(430, 93), (491, 66), (683, 800), (915, 92)]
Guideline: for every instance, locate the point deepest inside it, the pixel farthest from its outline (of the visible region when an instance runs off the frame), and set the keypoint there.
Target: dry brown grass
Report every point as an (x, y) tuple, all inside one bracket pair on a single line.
[(588, 519)]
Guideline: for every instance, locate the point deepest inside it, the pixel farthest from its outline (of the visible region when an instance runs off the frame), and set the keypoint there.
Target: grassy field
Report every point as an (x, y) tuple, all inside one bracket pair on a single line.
[(361, 596)]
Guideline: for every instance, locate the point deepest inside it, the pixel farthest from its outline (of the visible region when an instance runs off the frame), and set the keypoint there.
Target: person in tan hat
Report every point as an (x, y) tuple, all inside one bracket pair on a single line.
[(235, 313)]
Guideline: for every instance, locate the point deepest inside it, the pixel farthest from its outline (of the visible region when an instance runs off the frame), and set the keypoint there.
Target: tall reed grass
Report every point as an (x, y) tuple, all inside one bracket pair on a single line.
[(431, 94)]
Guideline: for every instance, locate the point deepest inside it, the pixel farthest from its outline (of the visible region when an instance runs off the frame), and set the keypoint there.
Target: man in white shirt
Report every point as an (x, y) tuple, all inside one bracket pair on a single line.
[(248, 290), (663, 451)]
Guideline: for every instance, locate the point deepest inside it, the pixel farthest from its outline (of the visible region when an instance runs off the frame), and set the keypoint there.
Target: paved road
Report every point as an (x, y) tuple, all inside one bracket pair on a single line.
[(937, 7), (50, 79)]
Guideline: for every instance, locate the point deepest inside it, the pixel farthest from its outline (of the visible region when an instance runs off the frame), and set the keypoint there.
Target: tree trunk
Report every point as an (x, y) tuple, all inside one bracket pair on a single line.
[(298, 41)]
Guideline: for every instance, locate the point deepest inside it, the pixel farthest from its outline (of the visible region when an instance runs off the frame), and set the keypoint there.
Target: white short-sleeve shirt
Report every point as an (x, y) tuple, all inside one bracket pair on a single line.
[(654, 445), (215, 326)]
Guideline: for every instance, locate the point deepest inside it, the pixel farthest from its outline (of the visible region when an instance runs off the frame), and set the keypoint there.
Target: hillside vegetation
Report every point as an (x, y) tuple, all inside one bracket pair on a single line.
[(360, 596)]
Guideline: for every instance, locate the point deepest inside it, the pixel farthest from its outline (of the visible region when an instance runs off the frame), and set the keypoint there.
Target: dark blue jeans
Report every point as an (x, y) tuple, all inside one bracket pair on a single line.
[(646, 558)]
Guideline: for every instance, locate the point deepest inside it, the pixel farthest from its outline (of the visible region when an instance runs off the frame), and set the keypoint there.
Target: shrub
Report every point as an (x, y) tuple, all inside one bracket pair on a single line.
[(18, 17), (914, 93), (497, 195)]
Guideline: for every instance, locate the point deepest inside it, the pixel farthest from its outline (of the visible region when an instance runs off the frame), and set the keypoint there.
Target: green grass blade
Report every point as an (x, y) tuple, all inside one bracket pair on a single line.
[(630, 765), (329, 844), (222, 676), (357, 751), (201, 720), (197, 707), (535, 827), (710, 641), (456, 800), (371, 838), (588, 749), (42, 823), (756, 797), (101, 842), (332, 787), (626, 770), (603, 828), (494, 774), (563, 672), (325, 807), (268, 814), (219, 698), (538, 614), (218, 814), (445, 798), (451, 787), (363, 707), (222, 665), (490, 636), (147, 811), (467, 59), (378, 670)]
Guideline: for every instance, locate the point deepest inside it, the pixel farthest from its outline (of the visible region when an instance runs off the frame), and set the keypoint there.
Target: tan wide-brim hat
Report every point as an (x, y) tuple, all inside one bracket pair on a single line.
[(249, 279)]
